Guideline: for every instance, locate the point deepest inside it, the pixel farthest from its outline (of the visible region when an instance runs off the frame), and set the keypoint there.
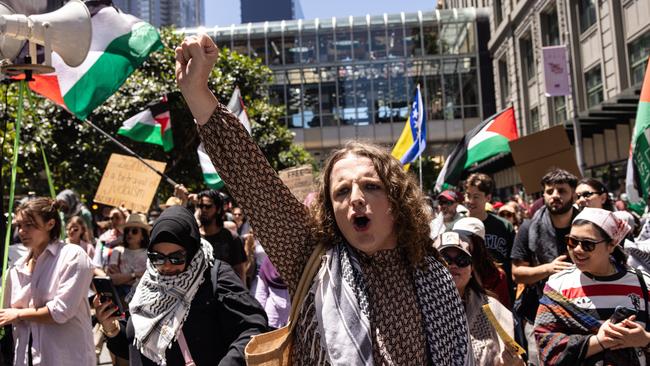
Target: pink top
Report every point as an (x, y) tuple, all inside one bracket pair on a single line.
[(60, 281)]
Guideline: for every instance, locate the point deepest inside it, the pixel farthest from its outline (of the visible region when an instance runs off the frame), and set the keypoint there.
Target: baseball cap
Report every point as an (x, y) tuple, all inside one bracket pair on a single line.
[(452, 239), (449, 196), (471, 225)]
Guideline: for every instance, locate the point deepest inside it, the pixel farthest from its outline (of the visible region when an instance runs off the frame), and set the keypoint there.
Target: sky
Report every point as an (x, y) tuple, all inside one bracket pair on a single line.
[(226, 12)]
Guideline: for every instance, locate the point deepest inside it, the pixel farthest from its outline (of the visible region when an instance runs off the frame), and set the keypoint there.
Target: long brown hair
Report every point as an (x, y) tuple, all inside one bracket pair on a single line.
[(45, 208), (407, 202)]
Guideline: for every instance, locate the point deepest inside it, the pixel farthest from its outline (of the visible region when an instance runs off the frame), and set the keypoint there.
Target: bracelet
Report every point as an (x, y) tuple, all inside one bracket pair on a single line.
[(110, 334), (600, 344)]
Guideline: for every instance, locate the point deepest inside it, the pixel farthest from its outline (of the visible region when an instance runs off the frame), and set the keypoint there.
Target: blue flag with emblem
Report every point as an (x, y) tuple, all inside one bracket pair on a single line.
[(413, 139)]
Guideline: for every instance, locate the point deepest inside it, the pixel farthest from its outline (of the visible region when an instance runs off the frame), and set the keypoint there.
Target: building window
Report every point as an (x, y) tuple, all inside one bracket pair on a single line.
[(594, 83), (587, 14), (639, 50), (498, 13), (550, 28), (504, 85), (559, 110), (534, 120), (528, 58)]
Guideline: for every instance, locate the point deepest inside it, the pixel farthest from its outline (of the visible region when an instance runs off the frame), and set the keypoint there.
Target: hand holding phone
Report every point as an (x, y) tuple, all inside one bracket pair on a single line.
[(621, 313), (107, 291)]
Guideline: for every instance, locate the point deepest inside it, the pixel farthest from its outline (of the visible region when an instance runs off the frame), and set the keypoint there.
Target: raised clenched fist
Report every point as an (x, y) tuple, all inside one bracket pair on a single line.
[(195, 58)]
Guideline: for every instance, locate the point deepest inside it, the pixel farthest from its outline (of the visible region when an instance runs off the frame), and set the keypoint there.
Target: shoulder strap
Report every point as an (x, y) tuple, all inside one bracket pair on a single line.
[(213, 275), (185, 350), (644, 289), (308, 273)]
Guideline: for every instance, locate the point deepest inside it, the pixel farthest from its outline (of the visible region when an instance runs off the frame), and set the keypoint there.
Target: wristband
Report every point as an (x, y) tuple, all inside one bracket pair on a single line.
[(600, 344)]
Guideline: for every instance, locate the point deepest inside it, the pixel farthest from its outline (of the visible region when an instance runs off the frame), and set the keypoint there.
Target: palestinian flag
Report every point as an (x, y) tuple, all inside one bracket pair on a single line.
[(236, 106), (638, 166), (488, 139), (210, 175), (153, 125), (120, 44)]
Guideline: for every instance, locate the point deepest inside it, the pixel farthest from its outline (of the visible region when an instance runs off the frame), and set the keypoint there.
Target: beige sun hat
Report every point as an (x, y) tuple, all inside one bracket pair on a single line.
[(136, 219), (171, 201)]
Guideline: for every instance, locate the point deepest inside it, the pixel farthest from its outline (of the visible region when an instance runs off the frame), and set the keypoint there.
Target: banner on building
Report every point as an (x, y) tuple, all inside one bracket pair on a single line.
[(127, 181), (556, 71)]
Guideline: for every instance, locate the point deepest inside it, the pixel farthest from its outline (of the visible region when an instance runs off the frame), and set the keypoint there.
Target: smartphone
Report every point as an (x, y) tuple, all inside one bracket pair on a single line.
[(622, 312), (107, 291)]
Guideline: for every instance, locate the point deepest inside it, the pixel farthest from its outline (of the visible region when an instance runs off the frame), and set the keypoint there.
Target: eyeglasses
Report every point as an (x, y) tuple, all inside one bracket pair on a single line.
[(587, 194), (204, 206), (587, 245), (461, 260), (176, 258)]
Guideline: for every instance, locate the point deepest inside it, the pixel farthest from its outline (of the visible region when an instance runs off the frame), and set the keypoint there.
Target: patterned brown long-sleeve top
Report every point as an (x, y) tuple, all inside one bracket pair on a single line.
[(281, 223)]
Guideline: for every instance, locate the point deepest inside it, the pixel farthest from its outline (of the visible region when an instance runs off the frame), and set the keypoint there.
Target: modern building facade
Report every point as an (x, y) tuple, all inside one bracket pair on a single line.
[(255, 11), (608, 44), (181, 13), (355, 77)]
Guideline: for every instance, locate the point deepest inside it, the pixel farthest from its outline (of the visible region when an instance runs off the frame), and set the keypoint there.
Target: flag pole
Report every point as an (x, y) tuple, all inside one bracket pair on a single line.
[(420, 165), (130, 152)]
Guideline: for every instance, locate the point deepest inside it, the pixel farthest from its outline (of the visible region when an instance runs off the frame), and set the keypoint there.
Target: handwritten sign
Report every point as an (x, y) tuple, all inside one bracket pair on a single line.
[(128, 181), (300, 180)]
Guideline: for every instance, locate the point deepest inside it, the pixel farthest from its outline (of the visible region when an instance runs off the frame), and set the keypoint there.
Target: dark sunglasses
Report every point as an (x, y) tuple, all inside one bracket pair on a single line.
[(461, 260), (158, 259), (587, 245), (587, 194), (203, 206), (506, 214), (444, 203), (132, 230)]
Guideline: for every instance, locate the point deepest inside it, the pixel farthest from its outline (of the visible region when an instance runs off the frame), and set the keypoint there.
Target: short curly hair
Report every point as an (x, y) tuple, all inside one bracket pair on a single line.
[(407, 202)]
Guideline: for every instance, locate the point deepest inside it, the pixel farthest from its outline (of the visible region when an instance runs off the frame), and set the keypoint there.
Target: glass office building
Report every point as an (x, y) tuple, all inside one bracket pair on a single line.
[(355, 77)]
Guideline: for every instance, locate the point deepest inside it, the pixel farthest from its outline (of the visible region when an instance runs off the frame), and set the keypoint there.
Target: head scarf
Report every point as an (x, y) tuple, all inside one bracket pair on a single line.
[(161, 303), (72, 202), (615, 228), (177, 225)]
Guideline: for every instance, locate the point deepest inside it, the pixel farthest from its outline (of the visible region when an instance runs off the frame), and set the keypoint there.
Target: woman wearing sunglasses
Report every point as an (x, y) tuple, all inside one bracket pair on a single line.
[(187, 307), (456, 248), (577, 320), (128, 261), (592, 193)]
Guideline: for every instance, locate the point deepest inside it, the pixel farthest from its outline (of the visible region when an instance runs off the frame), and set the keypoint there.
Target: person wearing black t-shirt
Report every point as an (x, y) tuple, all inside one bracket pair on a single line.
[(499, 233), (227, 246), (540, 247)]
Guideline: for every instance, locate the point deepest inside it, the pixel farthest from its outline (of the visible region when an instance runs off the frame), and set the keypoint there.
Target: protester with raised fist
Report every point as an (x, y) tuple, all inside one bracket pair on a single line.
[(397, 303)]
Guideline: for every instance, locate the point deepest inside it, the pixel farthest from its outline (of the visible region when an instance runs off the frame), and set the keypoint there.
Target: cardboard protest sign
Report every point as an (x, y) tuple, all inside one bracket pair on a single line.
[(536, 154), (128, 181), (300, 180)]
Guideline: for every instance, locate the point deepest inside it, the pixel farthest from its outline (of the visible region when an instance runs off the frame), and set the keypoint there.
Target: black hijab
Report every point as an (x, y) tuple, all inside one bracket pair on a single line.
[(177, 225)]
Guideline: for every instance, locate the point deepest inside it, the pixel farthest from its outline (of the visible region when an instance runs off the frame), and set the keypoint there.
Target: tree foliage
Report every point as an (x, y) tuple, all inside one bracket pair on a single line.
[(77, 154)]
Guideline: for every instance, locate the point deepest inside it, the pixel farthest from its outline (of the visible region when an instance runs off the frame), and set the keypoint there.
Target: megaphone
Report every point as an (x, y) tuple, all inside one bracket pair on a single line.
[(66, 31), (9, 48)]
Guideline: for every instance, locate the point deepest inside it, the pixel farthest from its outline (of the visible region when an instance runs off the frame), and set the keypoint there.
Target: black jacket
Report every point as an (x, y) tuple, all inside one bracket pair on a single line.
[(217, 329)]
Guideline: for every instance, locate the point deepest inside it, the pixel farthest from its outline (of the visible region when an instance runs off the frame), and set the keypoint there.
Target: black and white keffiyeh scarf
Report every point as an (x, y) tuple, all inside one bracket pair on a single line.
[(161, 304), (342, 311)]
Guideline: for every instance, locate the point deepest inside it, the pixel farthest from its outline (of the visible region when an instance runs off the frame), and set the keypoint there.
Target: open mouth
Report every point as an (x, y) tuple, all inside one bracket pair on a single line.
[(361, 223)]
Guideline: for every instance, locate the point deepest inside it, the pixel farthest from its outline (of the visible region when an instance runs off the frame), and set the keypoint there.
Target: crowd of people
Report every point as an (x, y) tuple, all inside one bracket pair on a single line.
[(463, 278)]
